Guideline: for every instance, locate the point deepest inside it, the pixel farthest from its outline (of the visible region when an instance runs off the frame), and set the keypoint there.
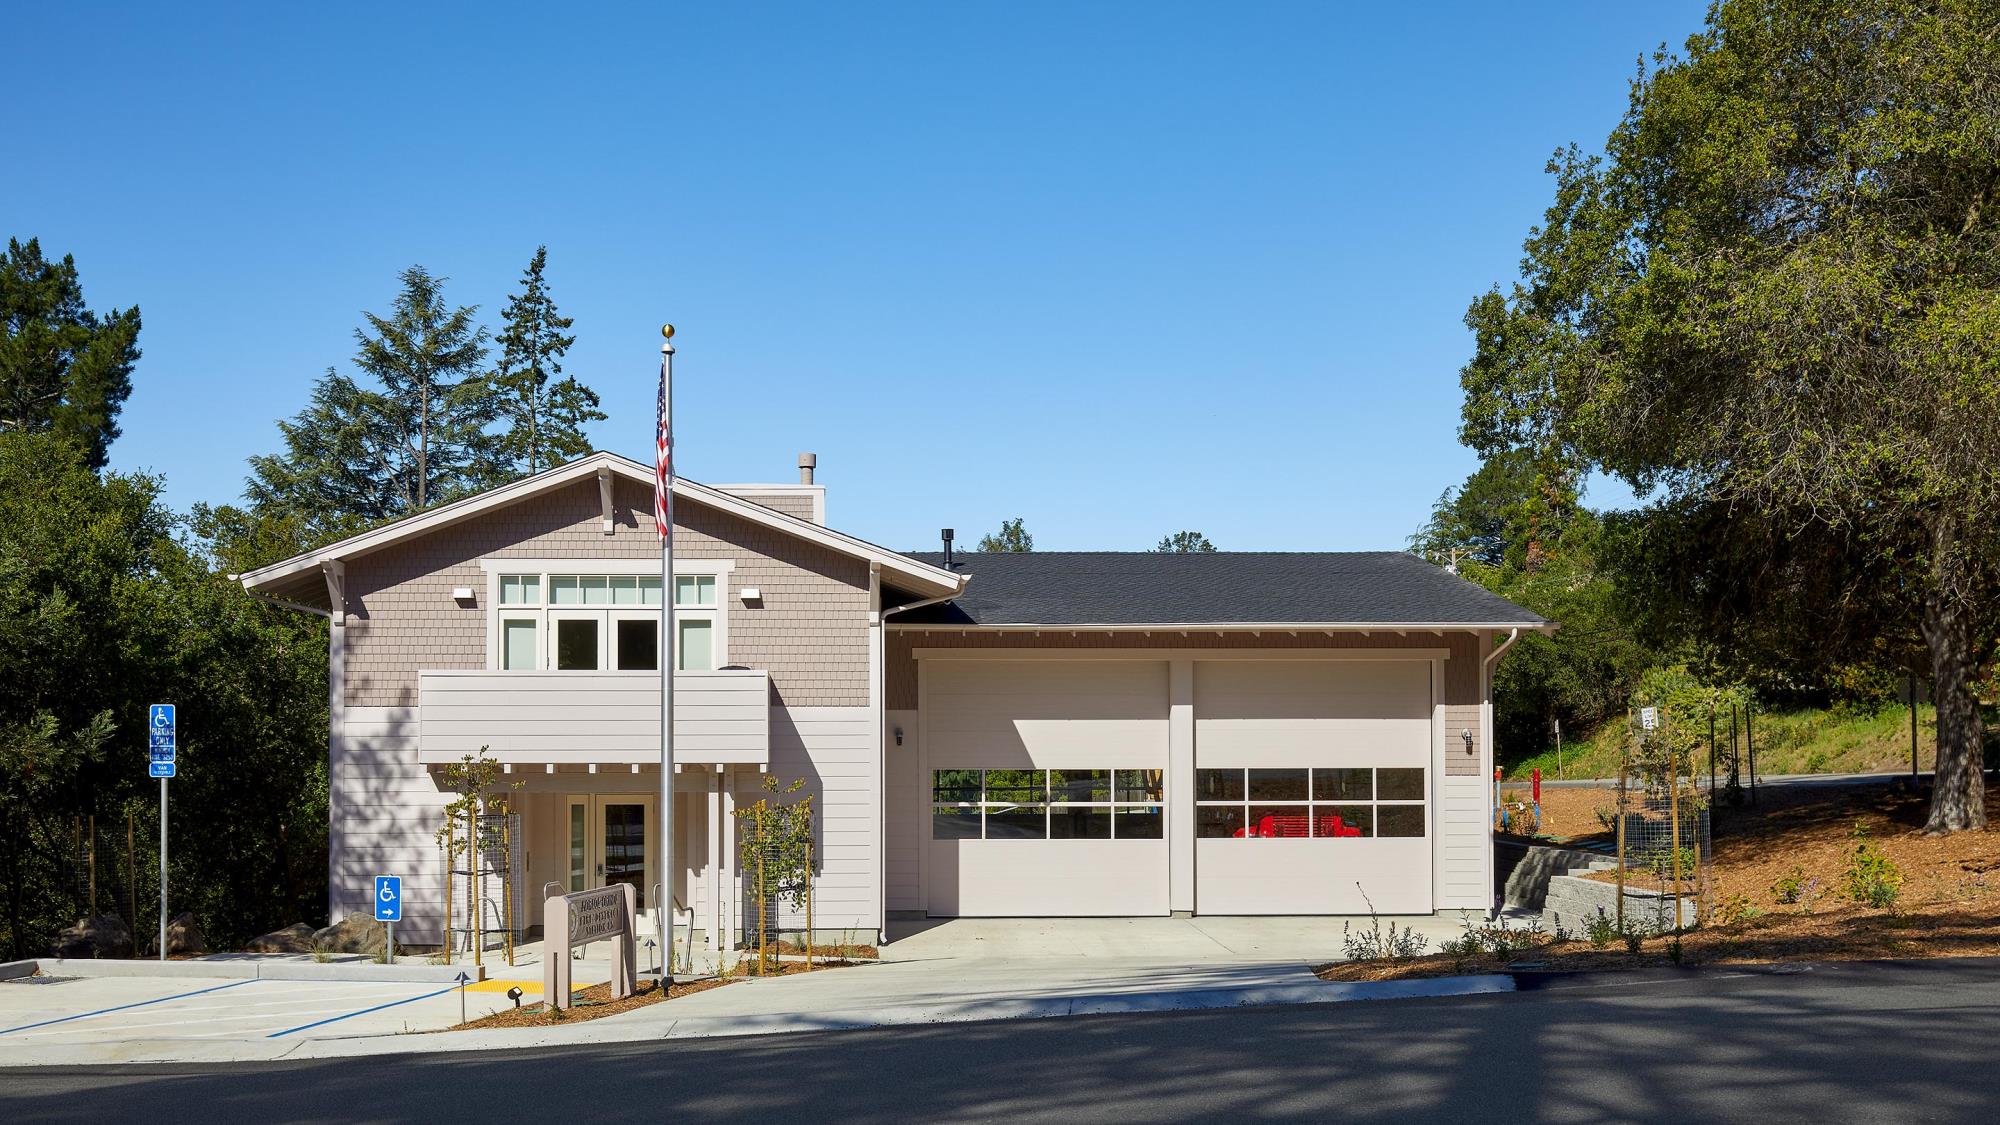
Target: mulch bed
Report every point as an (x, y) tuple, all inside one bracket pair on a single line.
[(590, 1003), (1949, 904), (748, 967)]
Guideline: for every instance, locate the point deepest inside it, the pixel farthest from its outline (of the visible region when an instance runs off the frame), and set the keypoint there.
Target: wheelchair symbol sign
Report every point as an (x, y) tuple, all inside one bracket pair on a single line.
[(388, 898)]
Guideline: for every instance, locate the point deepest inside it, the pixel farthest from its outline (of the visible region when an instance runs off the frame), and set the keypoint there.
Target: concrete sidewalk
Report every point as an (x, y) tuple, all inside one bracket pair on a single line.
[(939, 971)]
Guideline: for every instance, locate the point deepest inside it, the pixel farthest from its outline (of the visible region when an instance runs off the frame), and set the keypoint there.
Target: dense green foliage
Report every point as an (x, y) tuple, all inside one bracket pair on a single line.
[(1773, 304), (413, 436), (63, 369), (425, 422), (1184, 543), (544, 421), (1011, 537), (108, 602)]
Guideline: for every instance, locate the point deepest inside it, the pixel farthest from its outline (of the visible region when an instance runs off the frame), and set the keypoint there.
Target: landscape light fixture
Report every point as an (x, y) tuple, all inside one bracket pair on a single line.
[(514, 994)]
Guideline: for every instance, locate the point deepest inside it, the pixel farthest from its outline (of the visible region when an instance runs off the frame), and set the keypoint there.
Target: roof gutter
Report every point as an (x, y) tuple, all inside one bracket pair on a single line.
[(1493, 657)]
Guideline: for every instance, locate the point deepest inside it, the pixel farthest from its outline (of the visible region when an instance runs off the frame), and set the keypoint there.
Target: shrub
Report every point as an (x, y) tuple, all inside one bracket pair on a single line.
[(1601, 930), (1377, 944), (1871, 878), (1790, 887), (1735, 910)]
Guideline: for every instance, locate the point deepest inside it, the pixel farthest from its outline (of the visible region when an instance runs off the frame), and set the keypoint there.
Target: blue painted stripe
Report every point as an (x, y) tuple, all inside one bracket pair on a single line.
[(125, 1007), (362, 1012)]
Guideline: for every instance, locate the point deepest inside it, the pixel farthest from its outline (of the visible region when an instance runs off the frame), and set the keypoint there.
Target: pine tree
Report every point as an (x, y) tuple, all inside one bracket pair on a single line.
[(63, 369), (544, 420), (435, 401), (359, 454), (338, 461)]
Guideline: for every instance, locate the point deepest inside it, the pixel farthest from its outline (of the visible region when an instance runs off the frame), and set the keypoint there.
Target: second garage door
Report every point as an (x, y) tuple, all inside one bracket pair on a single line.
[(1312, 786), (1047, 787)]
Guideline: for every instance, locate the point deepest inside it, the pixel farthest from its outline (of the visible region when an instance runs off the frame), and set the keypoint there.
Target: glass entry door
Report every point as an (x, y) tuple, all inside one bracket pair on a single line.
[(610, 841)]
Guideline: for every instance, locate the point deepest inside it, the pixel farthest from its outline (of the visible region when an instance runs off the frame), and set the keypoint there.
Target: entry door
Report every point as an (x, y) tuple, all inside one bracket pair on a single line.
[(611, 841)]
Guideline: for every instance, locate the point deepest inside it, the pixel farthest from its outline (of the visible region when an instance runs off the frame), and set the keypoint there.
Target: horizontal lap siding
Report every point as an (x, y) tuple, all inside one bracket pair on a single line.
[(832, 749), (571, 717), (385, 810)]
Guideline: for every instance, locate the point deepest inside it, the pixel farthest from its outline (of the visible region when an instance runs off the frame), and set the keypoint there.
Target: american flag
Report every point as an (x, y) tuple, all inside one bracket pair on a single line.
[(663, 461)]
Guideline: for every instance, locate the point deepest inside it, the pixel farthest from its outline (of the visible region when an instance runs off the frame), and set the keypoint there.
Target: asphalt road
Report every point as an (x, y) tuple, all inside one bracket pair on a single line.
[(1878, 1043)]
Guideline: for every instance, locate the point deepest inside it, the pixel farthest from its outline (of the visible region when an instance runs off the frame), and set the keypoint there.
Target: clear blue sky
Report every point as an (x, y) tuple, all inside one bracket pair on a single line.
[(1118, 269)]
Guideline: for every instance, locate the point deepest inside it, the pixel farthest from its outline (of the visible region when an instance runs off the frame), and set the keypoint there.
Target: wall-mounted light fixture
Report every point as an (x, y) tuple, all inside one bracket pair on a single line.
[(1466, 734), (461, 593), (750, 594), (899, 736)]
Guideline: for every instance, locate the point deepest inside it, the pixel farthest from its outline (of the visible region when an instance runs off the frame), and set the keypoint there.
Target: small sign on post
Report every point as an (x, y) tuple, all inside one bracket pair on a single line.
[(578, 919), (389, 911), (162, 741), (1649, 718)]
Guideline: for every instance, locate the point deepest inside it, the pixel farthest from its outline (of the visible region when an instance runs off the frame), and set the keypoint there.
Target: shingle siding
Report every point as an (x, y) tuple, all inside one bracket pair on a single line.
[(810, 630)]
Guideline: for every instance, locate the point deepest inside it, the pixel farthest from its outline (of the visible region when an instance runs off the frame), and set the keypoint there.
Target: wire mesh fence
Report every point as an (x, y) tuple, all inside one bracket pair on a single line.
[(1665, 854), (483, 905)]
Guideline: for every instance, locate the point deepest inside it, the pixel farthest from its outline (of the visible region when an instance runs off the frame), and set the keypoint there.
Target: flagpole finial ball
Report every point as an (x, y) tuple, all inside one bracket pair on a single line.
[(666, 331)]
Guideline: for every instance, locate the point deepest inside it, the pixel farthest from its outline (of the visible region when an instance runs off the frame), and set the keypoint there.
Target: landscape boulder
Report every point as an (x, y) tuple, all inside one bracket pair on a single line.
[(102, 937), (183, 936), (356, 933), (295, 938)]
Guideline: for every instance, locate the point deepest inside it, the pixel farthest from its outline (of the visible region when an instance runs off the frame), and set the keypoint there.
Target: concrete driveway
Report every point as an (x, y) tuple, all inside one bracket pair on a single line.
[(1187, 941)]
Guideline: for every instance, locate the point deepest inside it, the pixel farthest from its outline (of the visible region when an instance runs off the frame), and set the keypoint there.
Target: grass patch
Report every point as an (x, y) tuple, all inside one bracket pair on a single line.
[(1821, 740)]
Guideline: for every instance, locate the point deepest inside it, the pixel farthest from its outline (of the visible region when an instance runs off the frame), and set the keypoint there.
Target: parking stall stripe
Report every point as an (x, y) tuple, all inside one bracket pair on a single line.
[(362, 1012), (126, 1007)]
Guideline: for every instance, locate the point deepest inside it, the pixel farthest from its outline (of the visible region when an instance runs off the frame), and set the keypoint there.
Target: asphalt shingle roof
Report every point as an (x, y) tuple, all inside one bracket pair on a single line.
[(1225, 587)]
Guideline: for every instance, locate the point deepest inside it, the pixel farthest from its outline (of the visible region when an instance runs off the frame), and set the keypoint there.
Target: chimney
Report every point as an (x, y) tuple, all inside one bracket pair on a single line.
[(945, 534), (807, 463)]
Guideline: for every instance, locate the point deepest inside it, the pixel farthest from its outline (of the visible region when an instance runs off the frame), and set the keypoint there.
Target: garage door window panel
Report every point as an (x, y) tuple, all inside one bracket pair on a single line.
[(1345, 803), (1399, 820), (1064, 804), (1278, 785)]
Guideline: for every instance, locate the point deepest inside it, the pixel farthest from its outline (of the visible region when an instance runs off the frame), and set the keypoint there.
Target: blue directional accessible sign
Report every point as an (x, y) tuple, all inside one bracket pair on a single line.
[(388, 898), (160, 769)]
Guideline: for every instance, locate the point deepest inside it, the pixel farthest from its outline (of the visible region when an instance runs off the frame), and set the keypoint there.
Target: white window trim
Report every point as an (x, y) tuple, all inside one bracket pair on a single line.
[(719, 569)]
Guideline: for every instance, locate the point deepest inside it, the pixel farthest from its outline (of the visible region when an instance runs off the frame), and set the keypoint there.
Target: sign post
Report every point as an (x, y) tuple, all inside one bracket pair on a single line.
[(389, 911), (583, 917), (161, 746)]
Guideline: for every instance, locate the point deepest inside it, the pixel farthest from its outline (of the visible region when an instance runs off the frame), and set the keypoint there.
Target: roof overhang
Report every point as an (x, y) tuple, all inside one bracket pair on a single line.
[(1236, 627), (296, 577)]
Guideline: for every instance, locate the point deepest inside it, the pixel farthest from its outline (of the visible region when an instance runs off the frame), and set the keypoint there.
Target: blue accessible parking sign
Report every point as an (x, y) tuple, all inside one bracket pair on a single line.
[(388, 898)]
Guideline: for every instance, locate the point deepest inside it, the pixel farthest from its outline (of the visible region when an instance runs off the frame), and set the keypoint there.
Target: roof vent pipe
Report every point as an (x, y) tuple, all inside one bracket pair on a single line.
[(807, 463), (946, 535)]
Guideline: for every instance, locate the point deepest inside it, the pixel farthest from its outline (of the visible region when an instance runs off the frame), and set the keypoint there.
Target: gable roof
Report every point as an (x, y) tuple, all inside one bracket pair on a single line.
[(284, 579), (1392, 589)]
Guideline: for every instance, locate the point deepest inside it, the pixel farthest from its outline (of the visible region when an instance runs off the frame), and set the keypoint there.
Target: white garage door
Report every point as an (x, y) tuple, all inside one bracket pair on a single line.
[(1046, 787), (1312, 786)]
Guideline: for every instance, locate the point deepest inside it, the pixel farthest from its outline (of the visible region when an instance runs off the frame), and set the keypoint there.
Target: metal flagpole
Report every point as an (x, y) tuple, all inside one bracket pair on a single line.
[(663, 515)]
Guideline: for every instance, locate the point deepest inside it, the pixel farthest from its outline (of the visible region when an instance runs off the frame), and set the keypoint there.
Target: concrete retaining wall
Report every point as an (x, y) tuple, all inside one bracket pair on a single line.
[(1525, 869), (1577, 900)]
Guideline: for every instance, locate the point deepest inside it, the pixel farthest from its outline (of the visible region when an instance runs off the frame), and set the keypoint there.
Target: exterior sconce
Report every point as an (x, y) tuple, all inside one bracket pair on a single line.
[(461, 593), (899, 736), (1466, 734), (750, 594)]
